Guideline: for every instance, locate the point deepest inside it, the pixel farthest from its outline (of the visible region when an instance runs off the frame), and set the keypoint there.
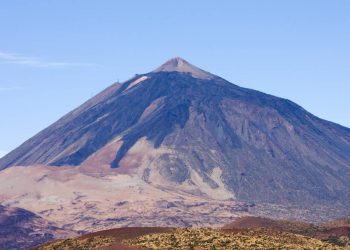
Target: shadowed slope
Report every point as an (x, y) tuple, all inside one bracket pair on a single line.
[(22, 229)]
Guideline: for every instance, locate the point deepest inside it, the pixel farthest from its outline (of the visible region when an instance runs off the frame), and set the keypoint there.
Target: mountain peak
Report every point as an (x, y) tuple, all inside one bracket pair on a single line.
[(179, 64)]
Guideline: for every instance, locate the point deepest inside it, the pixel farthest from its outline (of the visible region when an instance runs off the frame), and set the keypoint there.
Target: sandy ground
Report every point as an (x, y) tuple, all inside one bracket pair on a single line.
[(77, 199)]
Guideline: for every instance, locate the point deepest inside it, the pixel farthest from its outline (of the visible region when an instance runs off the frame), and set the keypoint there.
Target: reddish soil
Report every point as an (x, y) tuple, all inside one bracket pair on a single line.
[(335, 231), (251, 222), (322, 231), (120, 234)]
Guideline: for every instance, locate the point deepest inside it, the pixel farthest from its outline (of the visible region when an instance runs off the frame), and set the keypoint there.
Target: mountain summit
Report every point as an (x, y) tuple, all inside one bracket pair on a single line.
[(182, 128), (180, 65)]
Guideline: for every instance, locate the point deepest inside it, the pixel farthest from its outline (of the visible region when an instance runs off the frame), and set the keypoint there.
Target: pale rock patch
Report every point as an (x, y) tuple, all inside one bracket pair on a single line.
[(137, 81)]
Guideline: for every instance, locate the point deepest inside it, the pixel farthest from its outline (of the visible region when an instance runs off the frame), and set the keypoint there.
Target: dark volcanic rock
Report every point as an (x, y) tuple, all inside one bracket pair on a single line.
[(269, 149), (22, 229)]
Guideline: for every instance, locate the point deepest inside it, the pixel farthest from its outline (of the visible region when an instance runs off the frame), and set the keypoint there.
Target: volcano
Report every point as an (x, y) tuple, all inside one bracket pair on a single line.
[(182, 129)]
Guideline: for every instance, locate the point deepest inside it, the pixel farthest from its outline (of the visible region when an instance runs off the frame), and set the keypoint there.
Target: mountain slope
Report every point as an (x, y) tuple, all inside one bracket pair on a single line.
[(180, 125), (22, 229)]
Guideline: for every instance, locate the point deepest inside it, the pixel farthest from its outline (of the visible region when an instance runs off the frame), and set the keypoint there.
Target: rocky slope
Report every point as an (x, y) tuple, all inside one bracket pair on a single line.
[(172, 147), (84, 202), (182, 125), (22, 229)]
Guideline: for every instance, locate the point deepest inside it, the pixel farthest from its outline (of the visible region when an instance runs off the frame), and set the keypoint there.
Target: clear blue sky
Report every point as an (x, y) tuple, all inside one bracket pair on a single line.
[(55, 54)]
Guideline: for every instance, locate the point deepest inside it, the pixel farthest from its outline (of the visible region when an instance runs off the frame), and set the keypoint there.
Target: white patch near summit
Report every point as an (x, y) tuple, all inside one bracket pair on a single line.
[(137, 81)]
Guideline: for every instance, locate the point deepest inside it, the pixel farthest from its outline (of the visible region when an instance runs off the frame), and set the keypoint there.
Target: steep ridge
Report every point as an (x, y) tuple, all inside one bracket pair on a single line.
[(180, 125)]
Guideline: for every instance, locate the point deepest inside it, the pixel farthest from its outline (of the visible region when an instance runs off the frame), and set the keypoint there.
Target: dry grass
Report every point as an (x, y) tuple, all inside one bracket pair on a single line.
[(209, 239), (79, 244)]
